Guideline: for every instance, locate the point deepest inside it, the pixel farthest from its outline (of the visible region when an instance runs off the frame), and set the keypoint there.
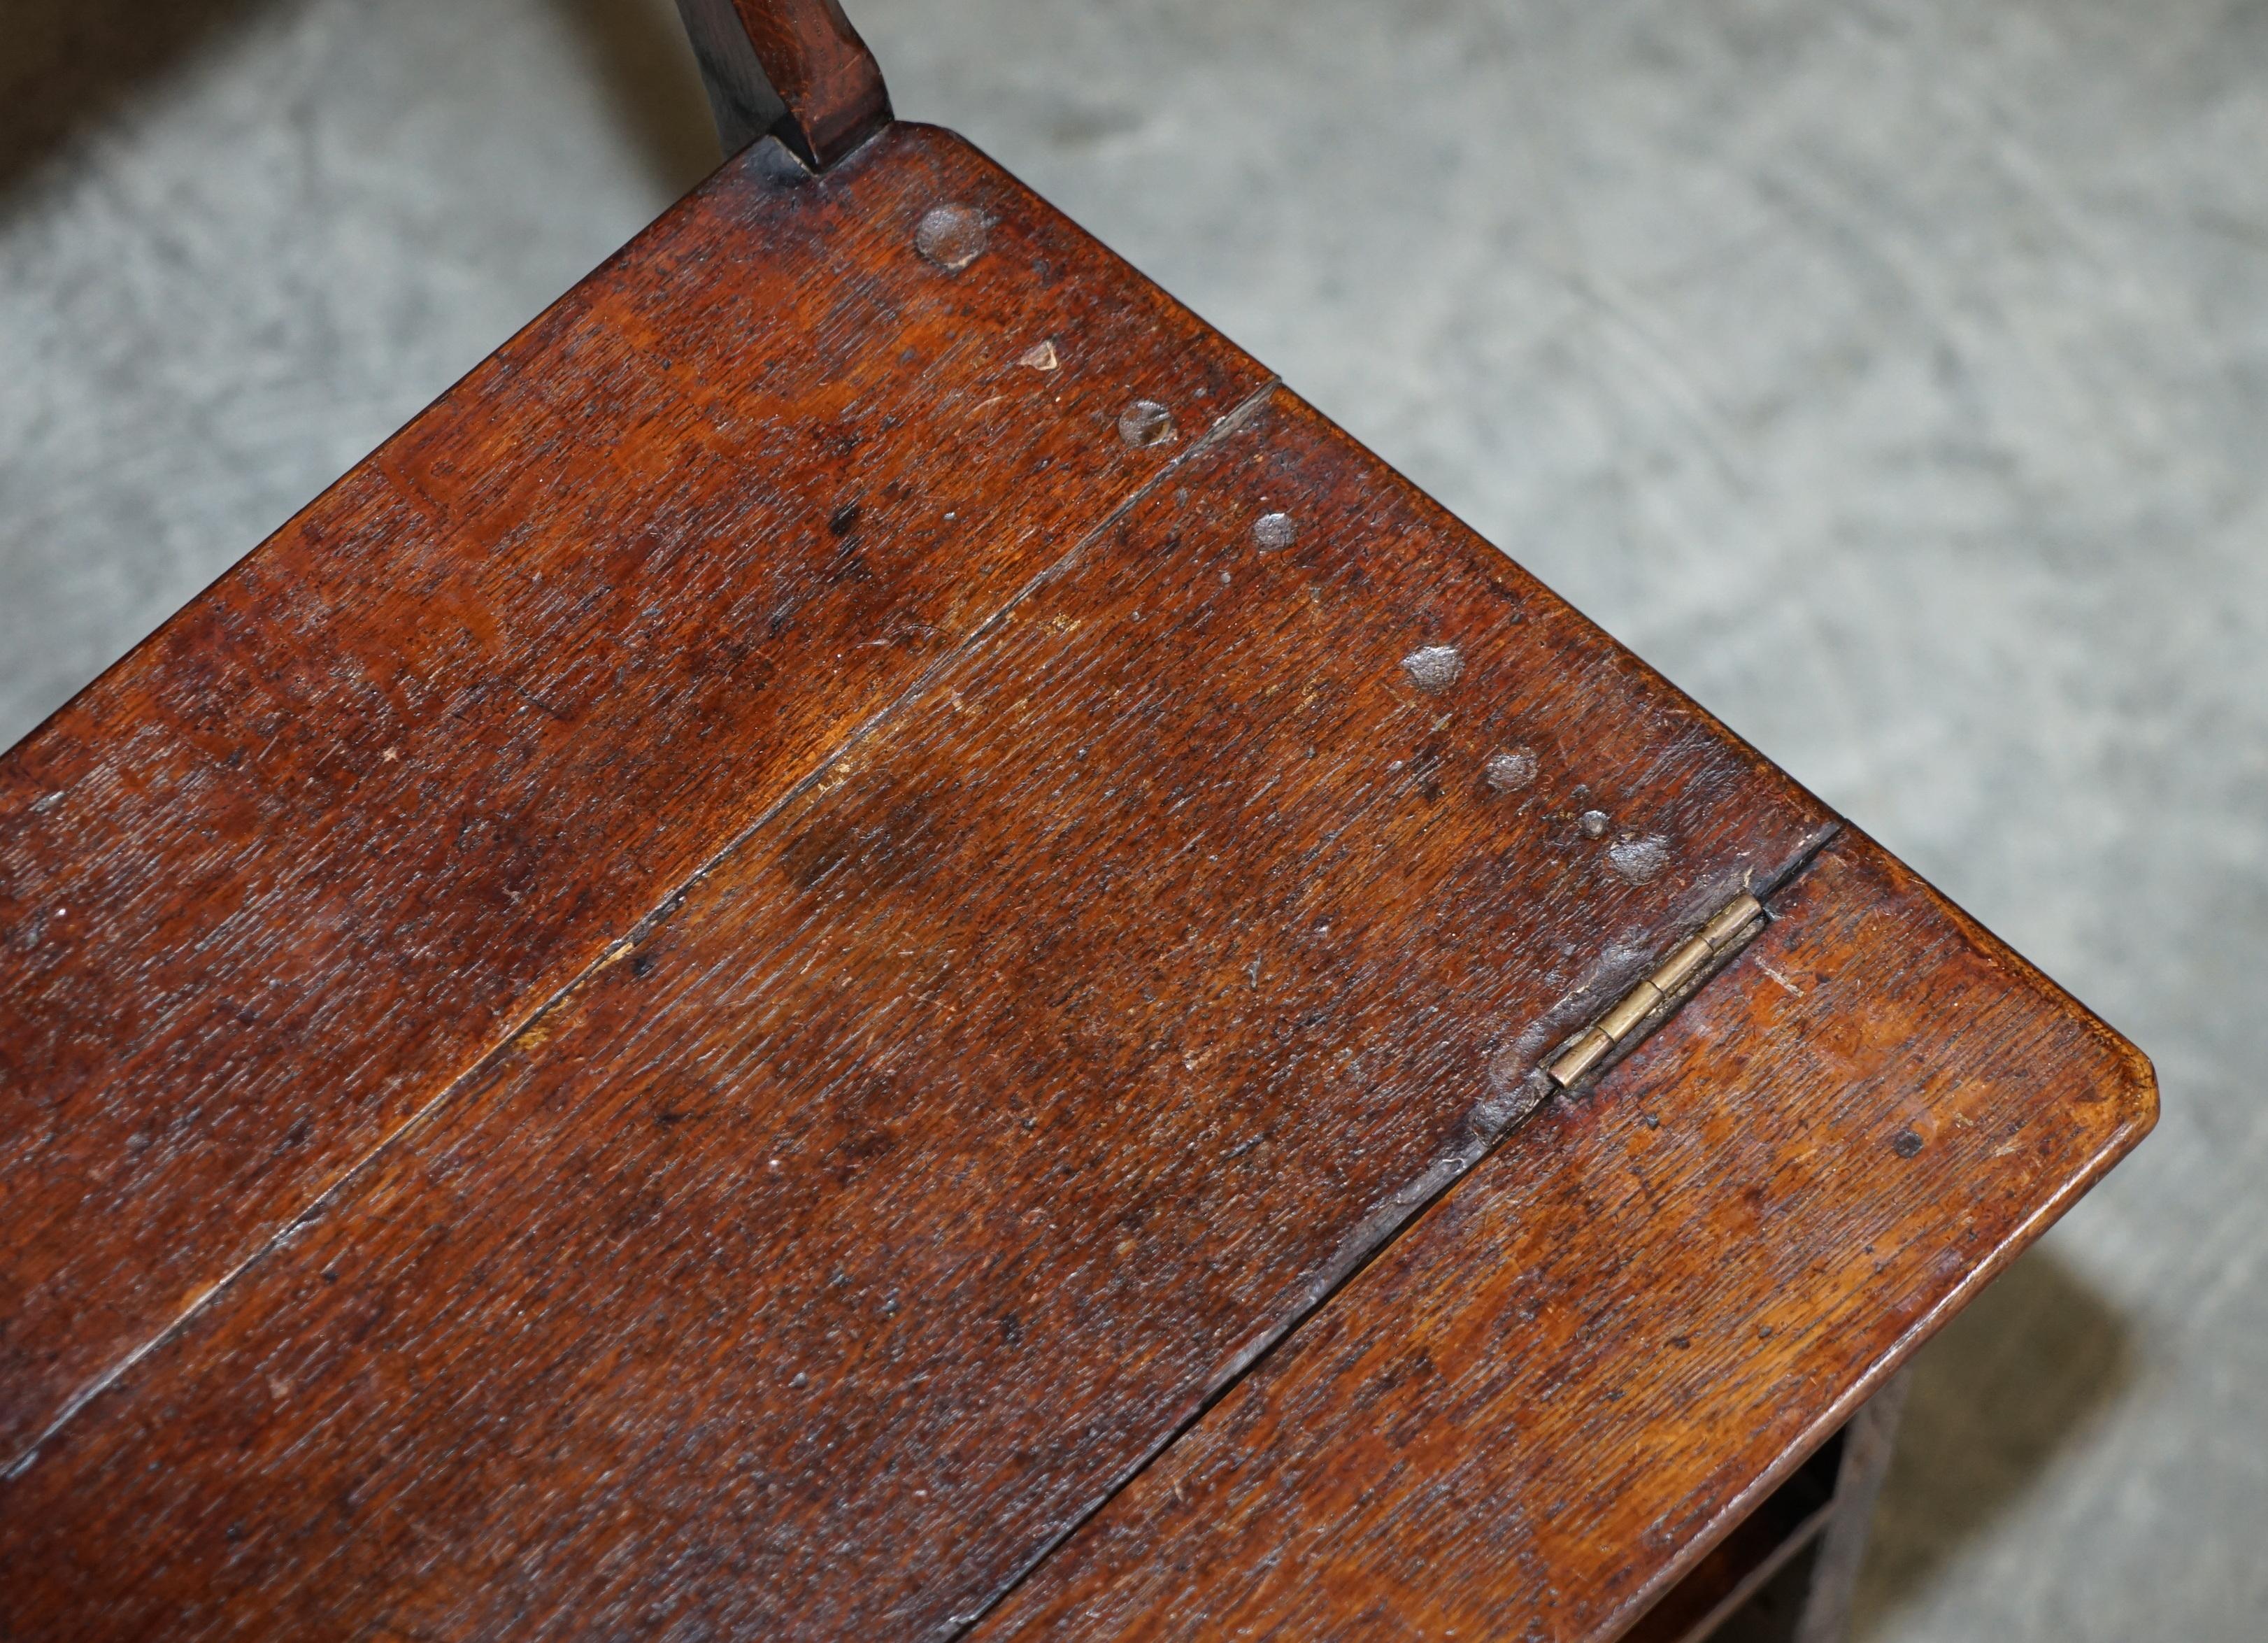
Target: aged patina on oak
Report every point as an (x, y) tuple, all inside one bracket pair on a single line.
[(853, 950)]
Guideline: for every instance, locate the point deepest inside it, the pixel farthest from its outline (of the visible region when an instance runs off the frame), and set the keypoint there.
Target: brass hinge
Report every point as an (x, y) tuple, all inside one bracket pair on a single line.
[(1651, 999)]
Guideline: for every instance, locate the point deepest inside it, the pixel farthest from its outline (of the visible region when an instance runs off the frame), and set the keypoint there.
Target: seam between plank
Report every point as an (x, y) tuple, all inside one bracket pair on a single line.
[(958, 1626), (341, 1186)]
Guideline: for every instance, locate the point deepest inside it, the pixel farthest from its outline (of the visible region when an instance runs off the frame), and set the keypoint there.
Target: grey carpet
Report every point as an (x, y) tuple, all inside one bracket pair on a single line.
[(1894, 376)]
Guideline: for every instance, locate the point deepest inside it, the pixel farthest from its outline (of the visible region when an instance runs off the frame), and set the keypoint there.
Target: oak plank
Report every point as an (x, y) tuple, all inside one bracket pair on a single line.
[(1601, 1348), (277, 878), (821, 71), (821, 1259)]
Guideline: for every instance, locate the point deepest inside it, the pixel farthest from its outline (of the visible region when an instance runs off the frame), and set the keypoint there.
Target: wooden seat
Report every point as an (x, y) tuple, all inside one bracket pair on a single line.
[(873, 944)]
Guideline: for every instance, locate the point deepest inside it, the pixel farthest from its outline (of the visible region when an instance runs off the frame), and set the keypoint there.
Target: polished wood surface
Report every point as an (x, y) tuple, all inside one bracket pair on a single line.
[(814, 1265), (282, 877), (1611, 1340), (1784, 1527), (863, 947)]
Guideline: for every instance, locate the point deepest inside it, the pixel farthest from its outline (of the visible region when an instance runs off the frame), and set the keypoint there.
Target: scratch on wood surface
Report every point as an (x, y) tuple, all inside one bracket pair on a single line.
[(1781, 979)]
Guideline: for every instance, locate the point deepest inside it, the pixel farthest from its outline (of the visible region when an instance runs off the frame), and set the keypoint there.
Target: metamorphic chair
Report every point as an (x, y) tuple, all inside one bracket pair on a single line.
[(871, 946)]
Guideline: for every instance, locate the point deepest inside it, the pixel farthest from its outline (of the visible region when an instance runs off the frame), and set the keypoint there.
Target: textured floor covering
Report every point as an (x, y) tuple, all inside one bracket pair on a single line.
[(1894, 376)]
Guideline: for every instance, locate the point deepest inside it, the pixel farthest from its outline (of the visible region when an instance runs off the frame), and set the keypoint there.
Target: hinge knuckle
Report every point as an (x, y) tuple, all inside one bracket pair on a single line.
[(1647, 1004)]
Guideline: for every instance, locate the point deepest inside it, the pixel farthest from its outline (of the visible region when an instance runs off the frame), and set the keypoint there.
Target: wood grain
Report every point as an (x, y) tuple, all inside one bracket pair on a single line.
[(821, 71), (275, 880), (779, 975), (1785, 1526), (823, 1259), (1549, 1397)]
